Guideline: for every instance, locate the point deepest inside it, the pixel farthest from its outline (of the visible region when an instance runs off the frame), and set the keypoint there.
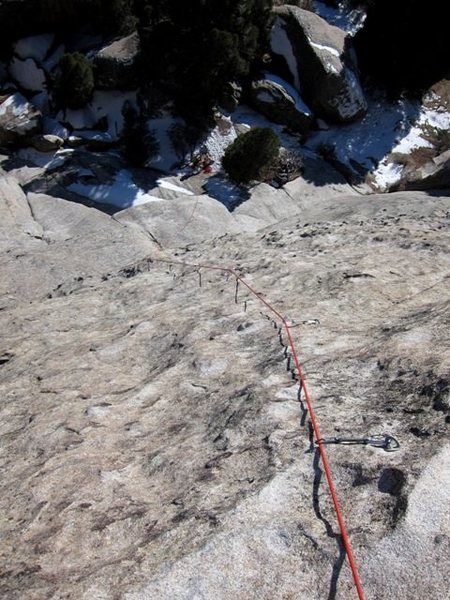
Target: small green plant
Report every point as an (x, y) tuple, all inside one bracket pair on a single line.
[(73, 84), (252, 155)]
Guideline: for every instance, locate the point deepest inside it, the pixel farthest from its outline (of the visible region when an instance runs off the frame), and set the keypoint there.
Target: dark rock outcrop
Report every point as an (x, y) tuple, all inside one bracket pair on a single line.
[(281, 103), (433, 175), (19, 121), (321, 63), (116, 64)]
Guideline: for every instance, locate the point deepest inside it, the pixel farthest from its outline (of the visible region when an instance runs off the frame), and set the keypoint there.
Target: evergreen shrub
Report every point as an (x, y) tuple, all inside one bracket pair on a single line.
[(252, 155), (73, 84)]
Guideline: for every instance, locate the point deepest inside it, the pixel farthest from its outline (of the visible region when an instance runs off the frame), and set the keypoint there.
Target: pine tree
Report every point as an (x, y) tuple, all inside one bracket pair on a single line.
[(73, 84), (201, 45), (251, 155), (139, 145)]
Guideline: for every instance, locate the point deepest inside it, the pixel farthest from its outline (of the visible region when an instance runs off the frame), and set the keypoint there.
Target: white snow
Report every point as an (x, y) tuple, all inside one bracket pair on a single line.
[(27, 74), (290, 89), (387, 174), (281, 44), (36, 46), (329, 49), (46, 160), (175, 188), (219, 139), (368, 140), (107, 104), (122, 193), (398, 127), (347, 19)]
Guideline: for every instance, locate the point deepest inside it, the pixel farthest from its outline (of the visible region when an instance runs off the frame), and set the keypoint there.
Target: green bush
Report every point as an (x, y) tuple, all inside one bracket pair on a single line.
[(251, 155), (73, 84)]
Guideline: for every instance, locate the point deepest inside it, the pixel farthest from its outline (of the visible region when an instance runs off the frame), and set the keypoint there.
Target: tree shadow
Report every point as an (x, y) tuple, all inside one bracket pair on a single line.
[(225, 191)]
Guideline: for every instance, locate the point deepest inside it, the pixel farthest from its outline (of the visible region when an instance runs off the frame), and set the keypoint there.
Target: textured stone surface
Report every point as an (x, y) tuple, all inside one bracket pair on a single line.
[(279, 104), (322, 65), (434, 174), (47, 142), (19, 120), (116, 64), (153, 445)]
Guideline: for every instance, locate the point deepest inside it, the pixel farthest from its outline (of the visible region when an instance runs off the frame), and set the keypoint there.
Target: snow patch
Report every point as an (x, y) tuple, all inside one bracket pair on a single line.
[(175, 188), (329, 49), (122, 193), (387, 174), (219, 139), (36, 46), (281, 44)]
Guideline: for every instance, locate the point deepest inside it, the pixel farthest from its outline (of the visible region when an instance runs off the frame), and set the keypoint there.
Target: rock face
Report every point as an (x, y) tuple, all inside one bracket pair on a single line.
[(153, 442), (320, 62), (433, 175), (47, 142), (19, 121), (116, 64), (280, 102)]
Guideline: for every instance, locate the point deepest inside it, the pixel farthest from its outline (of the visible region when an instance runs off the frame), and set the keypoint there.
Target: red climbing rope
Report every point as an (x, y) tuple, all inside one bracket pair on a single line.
[(312, 415)]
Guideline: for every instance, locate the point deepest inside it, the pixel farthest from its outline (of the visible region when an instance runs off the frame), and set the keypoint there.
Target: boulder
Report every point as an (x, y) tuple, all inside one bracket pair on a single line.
[(27, 74), (47, 142), (321, 63), (19, 121), (35, 46), (434, 174), (280, 102), (116, 64)]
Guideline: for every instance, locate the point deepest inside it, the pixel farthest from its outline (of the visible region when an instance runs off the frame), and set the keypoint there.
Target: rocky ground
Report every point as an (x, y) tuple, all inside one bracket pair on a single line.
[(153, 443)]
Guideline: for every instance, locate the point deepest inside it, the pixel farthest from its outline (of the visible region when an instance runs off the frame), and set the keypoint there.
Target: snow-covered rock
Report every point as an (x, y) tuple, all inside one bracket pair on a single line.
[(321, 63), (19, 121), (36, 46), (281, 102), (27, 74), (116, 64), (47, 143)]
